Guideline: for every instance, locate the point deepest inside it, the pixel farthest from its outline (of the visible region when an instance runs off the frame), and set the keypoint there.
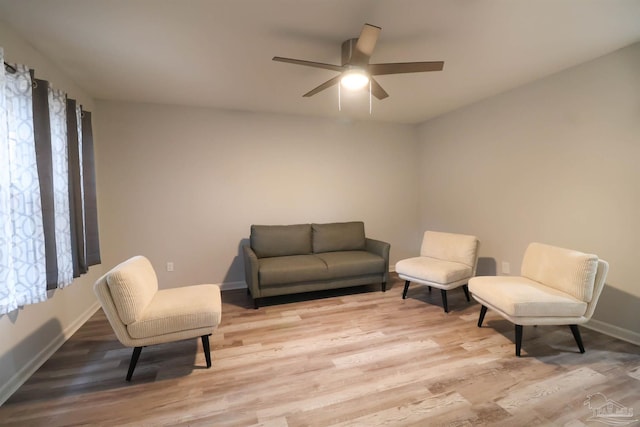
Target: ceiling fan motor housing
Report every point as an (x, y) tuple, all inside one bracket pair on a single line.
[(348, 47)]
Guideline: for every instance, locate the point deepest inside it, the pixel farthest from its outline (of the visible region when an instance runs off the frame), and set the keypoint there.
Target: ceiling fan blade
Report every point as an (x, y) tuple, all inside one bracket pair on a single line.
[(323, 86), (365, 45), (309, 63), (377, 91), (404, 67)]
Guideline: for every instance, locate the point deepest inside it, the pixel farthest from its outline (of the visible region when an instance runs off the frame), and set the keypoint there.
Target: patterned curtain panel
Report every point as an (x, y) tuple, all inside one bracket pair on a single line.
[(48, 212), (60, 163), (22, 244)]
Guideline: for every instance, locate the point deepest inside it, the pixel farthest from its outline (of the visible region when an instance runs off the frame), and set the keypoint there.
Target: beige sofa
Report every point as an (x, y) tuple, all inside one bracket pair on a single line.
[(287, 259)]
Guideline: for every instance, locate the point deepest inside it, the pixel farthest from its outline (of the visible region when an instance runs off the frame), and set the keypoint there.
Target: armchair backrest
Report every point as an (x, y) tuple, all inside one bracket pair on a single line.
[(598, 286), (566, 270), (124, 292), (460, 248)]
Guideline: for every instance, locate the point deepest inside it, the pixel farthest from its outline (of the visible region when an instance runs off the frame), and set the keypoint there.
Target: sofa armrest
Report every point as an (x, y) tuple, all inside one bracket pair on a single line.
[(381, 248), (251, 271)]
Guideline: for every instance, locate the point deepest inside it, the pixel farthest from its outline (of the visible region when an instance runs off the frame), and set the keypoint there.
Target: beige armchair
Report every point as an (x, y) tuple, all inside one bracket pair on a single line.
[(142, 315), (447, 261), (556, 287)]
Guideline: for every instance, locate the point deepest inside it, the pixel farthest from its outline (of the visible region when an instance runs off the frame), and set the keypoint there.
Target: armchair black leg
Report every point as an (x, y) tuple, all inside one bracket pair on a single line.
[(406, 288), (578, 338), (483, 311), (256, 303), (444, 300), (134, 360), (518, 339), (465, 288), (207, 349), (384, 286)]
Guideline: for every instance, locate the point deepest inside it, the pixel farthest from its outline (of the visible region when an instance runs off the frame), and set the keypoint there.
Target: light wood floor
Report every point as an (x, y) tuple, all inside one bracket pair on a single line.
[(358, 357)]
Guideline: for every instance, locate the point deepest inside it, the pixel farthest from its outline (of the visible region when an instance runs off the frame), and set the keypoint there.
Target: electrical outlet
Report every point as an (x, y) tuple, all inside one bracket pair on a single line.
[(170, 266), (506, 268)]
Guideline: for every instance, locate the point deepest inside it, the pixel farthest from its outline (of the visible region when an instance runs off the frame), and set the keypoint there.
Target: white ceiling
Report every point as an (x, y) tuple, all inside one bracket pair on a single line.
[(218, 53)]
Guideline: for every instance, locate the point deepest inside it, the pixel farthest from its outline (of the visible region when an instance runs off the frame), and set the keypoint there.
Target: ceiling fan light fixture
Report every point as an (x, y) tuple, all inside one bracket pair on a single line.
[(354, 79)]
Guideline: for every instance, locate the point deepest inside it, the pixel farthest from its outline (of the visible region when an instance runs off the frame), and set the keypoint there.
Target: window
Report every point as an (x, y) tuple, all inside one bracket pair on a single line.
[(48, 212)]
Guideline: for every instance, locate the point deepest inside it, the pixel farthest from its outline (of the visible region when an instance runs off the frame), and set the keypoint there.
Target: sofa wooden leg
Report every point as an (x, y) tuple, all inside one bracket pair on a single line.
[(384, 286), (406, 288), (577, 337), (207, 349), (444, 300), (256, 303), (465, 288), (134, 360), (518, 339), (483, 311)]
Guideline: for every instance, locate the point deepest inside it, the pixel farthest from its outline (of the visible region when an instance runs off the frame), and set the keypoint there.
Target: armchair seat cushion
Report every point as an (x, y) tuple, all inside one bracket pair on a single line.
[(291, 269), (423, 268), (522, 297), (352, 263), (179, 309)]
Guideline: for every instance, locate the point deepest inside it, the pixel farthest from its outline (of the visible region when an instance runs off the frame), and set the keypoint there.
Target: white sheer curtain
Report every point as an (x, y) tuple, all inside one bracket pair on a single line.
[(60, 166), (22, 246)]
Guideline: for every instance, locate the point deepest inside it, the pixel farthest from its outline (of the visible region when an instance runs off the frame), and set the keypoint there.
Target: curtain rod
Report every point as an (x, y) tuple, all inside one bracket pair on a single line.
[(11, 68)]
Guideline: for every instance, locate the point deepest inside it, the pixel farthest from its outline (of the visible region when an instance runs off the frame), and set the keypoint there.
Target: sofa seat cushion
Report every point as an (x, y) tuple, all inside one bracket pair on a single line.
[(352, 263), (433, 270), (179, 309), (523, 297), (291, 269)]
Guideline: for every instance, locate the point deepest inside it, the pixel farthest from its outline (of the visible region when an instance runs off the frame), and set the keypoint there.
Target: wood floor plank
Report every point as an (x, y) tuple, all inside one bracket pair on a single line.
[(349, 357)]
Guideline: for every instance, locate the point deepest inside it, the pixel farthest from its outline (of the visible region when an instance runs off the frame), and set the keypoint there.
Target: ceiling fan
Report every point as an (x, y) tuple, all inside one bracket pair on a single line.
[(356, 72)]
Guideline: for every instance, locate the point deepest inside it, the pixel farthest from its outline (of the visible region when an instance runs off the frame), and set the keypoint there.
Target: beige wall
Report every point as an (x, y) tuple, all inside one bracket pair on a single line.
[(29, 335), (184, 185), (556, 161)]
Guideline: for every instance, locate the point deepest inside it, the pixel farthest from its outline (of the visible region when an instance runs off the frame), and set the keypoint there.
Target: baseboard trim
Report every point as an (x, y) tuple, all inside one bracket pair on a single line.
[(614, 331), (227, 286), (38, 360)]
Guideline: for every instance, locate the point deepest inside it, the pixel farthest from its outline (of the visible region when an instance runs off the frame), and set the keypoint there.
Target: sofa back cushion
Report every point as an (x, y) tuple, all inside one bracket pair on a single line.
[(460, 248), (133, 285), (281, 240), (338, 236), (566, 270)]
